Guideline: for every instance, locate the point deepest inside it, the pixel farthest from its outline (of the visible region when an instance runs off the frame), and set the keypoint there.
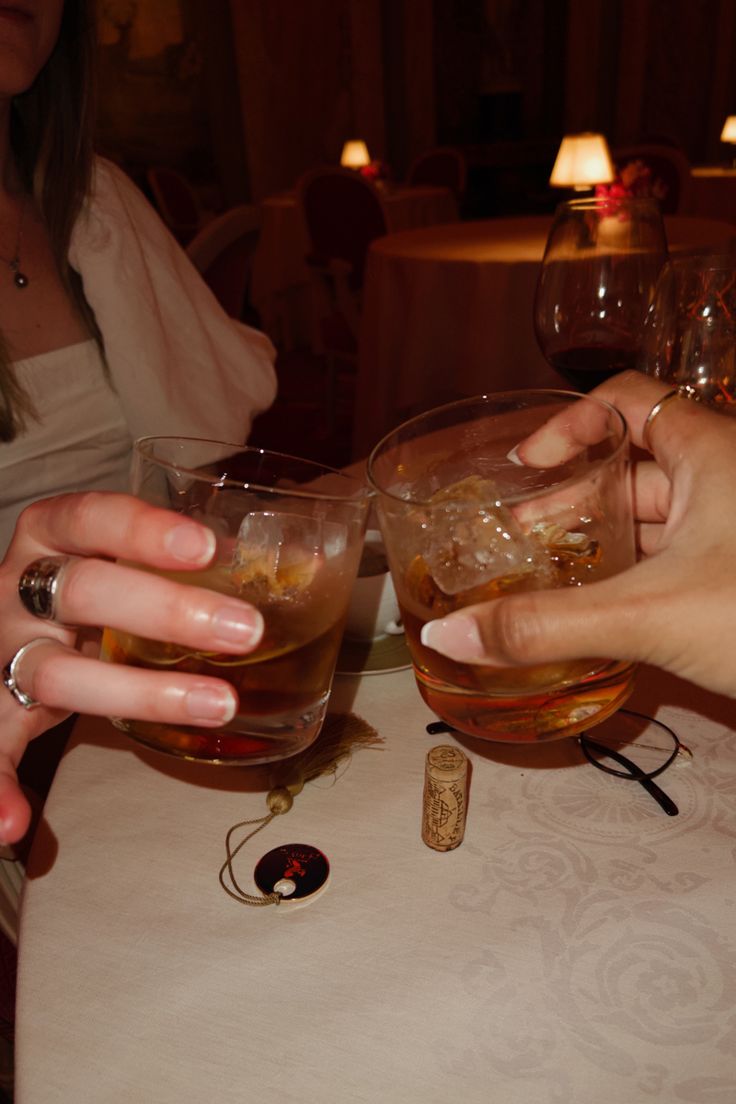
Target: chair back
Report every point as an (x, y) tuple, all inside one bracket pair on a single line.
[(223, 251), (343, 213), (670, 171), (443, 167), (176, 201)]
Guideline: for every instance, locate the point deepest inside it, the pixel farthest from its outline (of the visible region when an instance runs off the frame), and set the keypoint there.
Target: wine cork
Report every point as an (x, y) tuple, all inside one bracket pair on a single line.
[(445, 797)]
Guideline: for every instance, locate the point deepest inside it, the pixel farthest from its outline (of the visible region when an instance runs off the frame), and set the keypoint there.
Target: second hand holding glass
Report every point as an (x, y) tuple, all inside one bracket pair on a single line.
[(465, 520)]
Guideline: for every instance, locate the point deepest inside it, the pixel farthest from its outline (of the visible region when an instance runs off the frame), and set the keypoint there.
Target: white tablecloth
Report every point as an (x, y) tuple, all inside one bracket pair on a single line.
[(578, 947), (280, 281), (447, 312)]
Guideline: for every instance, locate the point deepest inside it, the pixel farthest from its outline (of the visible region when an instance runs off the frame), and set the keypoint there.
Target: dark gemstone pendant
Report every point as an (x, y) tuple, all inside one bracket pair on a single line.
[(20, 280)]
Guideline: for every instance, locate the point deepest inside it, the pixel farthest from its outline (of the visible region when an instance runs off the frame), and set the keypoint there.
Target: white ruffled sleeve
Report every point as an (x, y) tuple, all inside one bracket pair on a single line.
[(179, 364)]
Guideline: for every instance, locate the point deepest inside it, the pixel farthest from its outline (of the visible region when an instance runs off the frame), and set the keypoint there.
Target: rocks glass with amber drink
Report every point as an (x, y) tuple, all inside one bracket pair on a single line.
[(289, 540), (519, 491)]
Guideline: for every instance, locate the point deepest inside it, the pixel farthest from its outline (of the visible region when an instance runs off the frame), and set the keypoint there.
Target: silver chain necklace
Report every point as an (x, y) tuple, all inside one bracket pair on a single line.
[(19, 277)]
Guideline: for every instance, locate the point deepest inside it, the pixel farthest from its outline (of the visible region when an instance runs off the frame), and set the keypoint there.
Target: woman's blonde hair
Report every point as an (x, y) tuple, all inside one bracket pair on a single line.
[(51, 138)]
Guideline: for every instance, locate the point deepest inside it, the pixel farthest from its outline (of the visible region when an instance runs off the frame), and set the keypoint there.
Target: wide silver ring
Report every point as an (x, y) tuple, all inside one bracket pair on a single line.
[(39, 584), (9, 672), (654, 412)]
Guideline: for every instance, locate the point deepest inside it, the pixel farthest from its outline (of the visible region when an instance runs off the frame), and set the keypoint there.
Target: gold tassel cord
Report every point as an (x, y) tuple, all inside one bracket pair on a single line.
[(341, 734)]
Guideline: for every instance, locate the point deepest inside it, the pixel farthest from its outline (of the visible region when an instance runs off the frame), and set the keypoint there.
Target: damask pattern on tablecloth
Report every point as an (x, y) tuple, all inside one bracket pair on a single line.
[(600, 936)]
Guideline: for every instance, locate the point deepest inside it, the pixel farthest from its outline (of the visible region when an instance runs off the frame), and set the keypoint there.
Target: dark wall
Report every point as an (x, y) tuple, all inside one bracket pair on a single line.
[(505, 69), (249, 93)]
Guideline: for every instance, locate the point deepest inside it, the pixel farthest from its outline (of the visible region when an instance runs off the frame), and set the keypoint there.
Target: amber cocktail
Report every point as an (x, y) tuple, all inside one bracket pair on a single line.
[(499, 494), (289, 540)]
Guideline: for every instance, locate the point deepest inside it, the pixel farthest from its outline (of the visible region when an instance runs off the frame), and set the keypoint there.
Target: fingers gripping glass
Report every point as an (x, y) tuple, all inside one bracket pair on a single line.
[(638, 751)]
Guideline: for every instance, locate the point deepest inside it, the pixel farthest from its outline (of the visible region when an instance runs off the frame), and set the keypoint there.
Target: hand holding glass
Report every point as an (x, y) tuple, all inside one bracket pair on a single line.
[(289, 540), (505, 493)]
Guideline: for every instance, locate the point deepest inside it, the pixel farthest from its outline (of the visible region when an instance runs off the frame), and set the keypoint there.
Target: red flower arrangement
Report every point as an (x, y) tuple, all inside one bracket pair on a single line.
[(634, 180), (375, 171)]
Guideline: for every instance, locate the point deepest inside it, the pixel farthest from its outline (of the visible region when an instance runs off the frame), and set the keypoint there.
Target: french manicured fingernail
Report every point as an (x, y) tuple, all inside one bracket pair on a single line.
[(207, 703), (456, 637), (513, 456), (191, 543), (234, 625)]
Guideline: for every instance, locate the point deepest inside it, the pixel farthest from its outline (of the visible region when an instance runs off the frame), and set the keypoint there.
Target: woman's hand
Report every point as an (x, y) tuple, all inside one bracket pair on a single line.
[(94, 529), (672, 609)]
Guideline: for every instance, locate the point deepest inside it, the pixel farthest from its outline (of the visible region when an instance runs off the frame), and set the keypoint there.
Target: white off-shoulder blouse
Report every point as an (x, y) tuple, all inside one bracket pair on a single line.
[(81, 438), (177, 363)]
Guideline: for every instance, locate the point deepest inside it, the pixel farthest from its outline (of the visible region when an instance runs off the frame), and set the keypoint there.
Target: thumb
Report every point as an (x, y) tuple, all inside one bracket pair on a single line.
[(598, 620)]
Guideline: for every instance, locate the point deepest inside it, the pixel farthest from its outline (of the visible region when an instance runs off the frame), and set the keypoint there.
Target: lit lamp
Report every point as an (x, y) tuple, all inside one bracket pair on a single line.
[(355, 154), (583, 160), (728, 134)]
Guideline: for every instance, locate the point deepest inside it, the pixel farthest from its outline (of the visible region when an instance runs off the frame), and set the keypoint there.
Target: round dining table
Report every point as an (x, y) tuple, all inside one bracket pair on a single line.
[(577, 946), (447, 312)]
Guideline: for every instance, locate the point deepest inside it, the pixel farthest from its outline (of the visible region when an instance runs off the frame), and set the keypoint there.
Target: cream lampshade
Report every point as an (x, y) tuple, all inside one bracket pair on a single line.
[(355, 154), (583, 160), (728, 134)]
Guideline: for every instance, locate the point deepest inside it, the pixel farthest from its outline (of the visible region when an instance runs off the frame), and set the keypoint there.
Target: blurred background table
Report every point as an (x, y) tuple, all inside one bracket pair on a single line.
[(280, 280), (579, 945), (447, 312), (713, 192)]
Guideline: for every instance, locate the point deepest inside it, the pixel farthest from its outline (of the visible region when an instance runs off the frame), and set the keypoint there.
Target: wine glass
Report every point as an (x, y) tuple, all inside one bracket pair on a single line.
[(690, 332), (597, 280)]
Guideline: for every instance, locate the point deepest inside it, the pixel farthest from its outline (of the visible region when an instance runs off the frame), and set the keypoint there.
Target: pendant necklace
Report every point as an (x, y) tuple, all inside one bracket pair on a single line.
[(19, 277)]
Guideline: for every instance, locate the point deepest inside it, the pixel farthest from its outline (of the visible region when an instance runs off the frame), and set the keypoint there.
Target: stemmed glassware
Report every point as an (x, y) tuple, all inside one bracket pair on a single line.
[(596, 284), (690, 331)]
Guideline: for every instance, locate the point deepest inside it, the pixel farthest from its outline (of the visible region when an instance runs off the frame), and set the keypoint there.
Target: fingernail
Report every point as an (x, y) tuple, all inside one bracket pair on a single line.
[(208, 703), (236, 625), (191, 543), (513, 456), (456, 637)]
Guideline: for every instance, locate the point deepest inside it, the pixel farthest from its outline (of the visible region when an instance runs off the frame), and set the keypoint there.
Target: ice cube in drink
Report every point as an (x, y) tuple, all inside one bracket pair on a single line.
[(473, 551)]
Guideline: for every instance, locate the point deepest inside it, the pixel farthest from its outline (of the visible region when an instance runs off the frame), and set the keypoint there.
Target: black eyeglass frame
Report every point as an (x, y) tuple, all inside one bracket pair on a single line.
[(588, 744), (632, 772)]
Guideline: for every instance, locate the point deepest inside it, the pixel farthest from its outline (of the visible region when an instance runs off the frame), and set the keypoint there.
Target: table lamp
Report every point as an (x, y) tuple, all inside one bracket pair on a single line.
[(354, 154), (583, 160), (728, 134)]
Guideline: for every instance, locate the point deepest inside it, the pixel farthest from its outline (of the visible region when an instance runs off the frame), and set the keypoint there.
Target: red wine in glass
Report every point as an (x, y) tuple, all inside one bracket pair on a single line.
[(585, 366), (595, 286)]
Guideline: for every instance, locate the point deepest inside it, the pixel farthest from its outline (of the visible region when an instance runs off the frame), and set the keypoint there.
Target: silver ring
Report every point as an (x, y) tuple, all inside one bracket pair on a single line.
[(657, 409), (9, 679), (39, 584)]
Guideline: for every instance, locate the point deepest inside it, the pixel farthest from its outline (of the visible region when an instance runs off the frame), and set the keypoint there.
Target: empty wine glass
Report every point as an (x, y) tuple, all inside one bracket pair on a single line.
[(597, 280), (690, 332)]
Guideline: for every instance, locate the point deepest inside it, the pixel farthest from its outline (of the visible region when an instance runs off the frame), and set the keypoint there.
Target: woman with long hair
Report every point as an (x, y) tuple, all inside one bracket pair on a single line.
[(107, 333)]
